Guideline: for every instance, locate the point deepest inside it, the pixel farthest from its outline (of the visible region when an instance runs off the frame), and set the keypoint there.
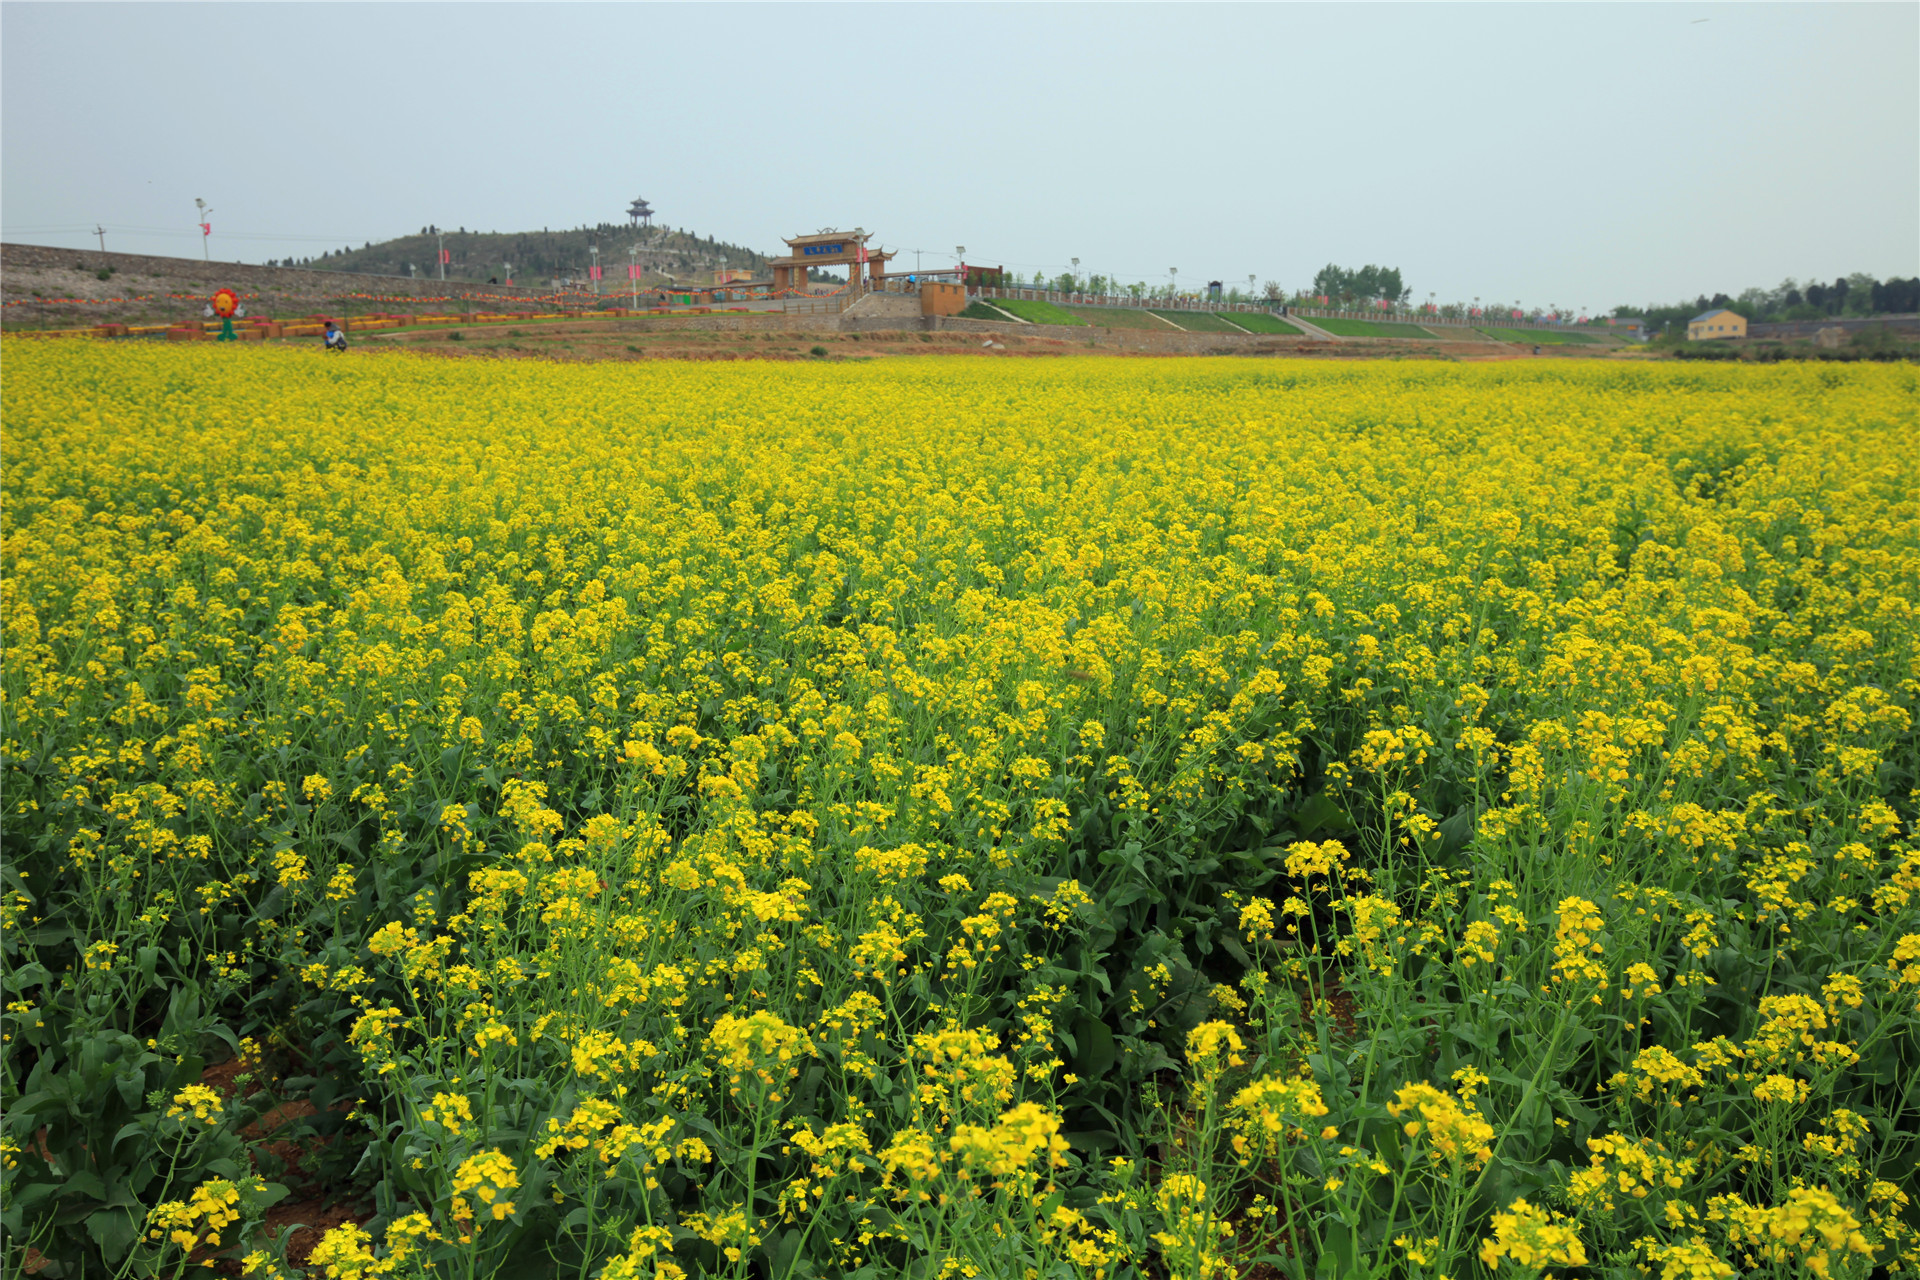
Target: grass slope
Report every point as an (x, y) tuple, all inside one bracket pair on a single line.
[(1198, 321), (1118, 318), (1372, 329), (1037, 312), (1260, 322)]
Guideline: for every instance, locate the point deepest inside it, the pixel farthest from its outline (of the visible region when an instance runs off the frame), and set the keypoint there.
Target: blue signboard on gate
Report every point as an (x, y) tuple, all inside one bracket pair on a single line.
[(811, 249)]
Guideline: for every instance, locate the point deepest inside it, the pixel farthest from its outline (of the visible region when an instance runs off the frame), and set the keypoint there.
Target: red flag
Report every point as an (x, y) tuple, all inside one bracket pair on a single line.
[(206, 228), (446, 256)]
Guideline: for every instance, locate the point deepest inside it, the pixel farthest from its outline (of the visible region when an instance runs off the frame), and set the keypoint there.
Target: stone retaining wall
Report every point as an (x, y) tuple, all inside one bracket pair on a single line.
[(889, 305)]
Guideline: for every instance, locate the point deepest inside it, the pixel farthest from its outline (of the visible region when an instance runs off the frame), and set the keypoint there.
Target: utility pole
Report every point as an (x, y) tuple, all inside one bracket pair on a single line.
[(102, 233), (1076, 275), (1173, 283)]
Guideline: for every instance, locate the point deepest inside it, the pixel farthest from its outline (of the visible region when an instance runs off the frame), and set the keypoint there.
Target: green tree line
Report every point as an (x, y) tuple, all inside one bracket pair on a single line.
[(1858, 294)]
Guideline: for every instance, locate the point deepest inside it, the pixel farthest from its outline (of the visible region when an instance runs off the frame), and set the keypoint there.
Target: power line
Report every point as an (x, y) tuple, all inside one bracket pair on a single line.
[(132, 229)]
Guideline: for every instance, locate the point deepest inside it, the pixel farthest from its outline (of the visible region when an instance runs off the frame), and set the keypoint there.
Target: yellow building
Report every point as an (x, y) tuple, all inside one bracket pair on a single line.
[(1719, 323)]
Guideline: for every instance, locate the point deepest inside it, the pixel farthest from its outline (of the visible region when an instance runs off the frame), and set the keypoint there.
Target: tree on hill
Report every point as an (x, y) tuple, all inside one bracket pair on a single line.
[(1368, 284), (536, 256)]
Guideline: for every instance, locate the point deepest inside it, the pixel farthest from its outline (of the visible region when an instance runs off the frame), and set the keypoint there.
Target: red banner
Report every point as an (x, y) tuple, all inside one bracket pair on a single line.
[(446, 256), (633, 271), (593, 273)]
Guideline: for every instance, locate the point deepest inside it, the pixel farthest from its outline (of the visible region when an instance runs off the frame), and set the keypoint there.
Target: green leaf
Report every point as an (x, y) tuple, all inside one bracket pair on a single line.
[(27, 975), (1097, 1050), (1455, 831), (1321, 814), (85, 1183), (114, 1230)]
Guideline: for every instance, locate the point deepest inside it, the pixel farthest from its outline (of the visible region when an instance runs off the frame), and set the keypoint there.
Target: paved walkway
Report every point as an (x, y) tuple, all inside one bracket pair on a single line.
[(1308, 328)]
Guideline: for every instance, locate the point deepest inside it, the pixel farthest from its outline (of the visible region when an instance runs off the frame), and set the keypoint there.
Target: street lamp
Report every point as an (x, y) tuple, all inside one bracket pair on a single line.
[(1076, 275), (633, 273), (206, 227), (1173, 283), (594, 275), (507, 269)]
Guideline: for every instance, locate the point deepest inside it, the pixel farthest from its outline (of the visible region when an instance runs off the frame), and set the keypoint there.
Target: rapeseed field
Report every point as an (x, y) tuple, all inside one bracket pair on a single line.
[(1083, 818)]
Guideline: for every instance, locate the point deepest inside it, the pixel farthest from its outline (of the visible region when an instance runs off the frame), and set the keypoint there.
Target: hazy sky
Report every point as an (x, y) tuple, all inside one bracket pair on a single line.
[(1581, 154)]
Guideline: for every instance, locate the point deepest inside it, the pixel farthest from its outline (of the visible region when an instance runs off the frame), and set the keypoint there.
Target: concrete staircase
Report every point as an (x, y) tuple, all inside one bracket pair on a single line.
[(1308, 328)]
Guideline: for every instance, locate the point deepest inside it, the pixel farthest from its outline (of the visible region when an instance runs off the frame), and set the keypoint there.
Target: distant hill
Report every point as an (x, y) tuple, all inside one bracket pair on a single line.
[(546, 254)]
